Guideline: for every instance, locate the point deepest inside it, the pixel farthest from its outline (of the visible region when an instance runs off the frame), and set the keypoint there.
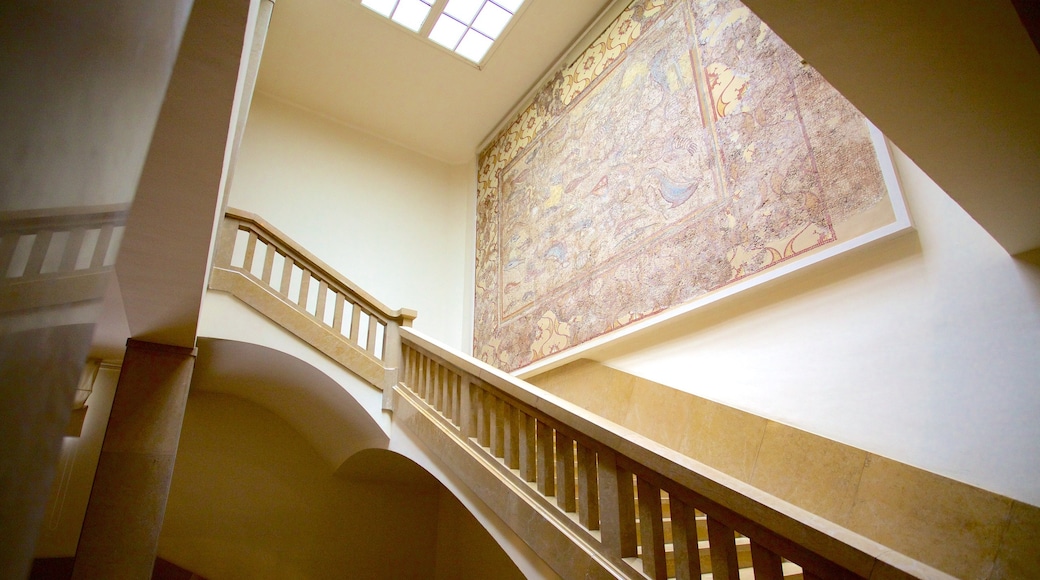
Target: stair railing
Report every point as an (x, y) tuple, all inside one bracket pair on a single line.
[(250, 248), (57, 256), (592, 498), (606, 485)]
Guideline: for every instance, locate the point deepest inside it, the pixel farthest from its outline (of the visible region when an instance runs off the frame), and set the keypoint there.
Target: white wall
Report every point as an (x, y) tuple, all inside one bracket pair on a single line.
[(393, 221), (924, 349)]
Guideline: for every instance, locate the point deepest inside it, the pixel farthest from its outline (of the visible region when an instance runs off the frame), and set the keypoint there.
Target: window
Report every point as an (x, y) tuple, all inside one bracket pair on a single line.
[(465, 27)]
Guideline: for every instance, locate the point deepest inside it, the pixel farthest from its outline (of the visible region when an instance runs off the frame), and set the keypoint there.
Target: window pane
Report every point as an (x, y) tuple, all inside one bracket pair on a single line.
[(463, 10), (384, 7), (491, 20), (474, 46), (411, 14), (447, 32)]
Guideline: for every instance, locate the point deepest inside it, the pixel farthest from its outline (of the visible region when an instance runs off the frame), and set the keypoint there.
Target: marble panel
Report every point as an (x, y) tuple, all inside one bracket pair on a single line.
[(947, 524), (1019, 553), (809, 471)]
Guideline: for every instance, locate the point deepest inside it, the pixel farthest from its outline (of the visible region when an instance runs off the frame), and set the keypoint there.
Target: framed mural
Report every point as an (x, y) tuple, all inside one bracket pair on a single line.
[(688, 153)]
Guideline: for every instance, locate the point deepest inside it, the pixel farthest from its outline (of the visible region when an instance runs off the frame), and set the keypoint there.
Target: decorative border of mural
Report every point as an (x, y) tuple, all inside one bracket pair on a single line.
[(528, 132)]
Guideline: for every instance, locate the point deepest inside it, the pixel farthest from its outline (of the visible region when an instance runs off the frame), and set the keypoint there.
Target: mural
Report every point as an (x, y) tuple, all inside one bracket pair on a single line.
[(687, 149)]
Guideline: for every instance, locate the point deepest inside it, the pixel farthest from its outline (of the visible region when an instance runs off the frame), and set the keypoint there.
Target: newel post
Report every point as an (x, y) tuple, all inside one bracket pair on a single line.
[(226, 234), (393, 354)]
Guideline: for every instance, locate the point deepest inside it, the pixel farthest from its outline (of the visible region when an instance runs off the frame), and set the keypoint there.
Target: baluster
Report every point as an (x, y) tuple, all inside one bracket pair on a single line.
[(420, 377), (406, 366), (545, 466), (448, 378), (427, 380), (766, 563), (684, 540), (651, 529), (337, 316), (37, 254), (460, 396), (319, 309), (370, 345), (483, 430), (101, 247), (588, 489), (511, 451), (247, 263), (268, 264), (8, 244), (565, 472), (439, 387), (723, 547), (355, 323), (433, 393), (467, 417), (497, 431), (617, 506), (453, 397), (413, 370), (287, 268), (527, 446), (305, 288), (73, 245), (417, 375)]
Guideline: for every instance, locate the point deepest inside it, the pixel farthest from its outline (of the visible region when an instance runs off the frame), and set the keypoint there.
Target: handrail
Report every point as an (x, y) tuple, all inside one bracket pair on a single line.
[(554, 449), (249, 247)]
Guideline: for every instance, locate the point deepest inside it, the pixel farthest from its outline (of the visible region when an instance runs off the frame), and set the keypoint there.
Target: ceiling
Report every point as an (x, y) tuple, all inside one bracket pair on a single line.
[(339, 59)]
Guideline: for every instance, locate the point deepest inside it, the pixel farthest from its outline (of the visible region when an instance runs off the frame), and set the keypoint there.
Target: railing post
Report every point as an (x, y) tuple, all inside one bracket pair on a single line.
[(225, 242), (565, 472), (723, 551), (467, 418), (651, 530), (617, 507), (588, 488), (684, 540), (391, 361)]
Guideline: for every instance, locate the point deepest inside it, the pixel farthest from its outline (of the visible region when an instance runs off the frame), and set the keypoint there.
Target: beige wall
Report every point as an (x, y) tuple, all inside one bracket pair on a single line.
[(251, 499), (921, 349), (75, 472), (464, 547), (389, 219)]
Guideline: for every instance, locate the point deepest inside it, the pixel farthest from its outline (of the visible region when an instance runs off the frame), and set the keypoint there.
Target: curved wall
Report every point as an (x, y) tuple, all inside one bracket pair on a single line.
[(250, 498)]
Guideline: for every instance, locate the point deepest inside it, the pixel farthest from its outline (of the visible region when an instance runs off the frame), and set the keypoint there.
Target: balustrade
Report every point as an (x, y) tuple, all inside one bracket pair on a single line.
[(253, 248), (57, 256), (654, 516)]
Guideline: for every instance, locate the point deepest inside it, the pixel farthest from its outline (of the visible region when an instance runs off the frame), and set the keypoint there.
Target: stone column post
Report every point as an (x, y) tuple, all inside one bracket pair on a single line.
[(124, 516)]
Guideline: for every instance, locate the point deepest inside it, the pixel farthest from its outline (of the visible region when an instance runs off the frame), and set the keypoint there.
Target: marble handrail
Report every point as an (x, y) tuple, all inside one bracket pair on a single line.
[(625, 496), (252, 247)]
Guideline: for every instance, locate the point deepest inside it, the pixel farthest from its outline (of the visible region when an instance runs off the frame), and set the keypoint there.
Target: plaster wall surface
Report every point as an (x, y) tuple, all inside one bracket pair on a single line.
[(920, 348), (75, 472), (391, 220), (252, 499)]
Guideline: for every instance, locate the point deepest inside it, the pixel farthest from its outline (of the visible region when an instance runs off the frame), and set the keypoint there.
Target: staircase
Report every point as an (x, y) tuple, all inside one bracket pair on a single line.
[(591, 498)]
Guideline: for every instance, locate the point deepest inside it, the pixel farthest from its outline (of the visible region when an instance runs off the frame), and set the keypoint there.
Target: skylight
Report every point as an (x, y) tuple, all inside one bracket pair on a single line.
[(465, 27)]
